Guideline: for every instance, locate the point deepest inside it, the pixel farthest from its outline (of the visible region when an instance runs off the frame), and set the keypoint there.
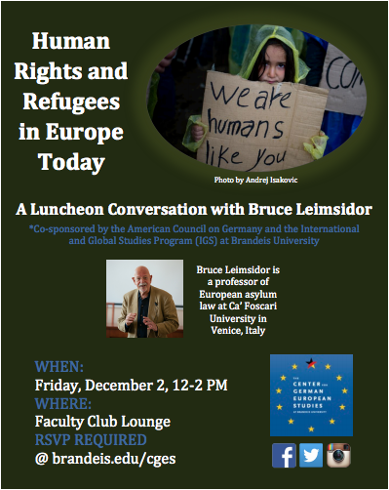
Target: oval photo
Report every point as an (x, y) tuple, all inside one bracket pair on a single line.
[(256, 98)]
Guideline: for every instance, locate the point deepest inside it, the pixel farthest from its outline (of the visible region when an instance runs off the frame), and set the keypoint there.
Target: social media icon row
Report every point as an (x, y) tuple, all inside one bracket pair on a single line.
[(311, 455)]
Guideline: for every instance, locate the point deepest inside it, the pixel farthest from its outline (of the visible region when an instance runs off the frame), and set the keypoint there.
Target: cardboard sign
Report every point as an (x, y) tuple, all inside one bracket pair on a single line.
[(258, 127), (345, 83)]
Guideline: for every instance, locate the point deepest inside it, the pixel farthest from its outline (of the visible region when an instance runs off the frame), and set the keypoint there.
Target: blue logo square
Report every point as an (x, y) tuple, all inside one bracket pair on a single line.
[(311, 455), (284, 455)]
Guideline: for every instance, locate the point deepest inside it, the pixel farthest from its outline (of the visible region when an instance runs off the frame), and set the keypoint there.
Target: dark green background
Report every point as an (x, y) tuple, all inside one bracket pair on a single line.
[(332, 298)]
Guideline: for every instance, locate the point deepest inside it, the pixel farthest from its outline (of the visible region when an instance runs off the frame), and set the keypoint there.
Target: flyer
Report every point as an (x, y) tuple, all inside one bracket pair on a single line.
[(166, 174)]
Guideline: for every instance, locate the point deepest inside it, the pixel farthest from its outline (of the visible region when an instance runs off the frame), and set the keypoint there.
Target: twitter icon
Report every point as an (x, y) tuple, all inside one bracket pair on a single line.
[(311, 455)]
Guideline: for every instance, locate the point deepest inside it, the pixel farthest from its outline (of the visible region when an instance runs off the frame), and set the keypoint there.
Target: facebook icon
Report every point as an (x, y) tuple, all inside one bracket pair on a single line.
[(284, 456)]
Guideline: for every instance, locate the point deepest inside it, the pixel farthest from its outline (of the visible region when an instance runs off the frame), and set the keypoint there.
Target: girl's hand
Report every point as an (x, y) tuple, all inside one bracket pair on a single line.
[(318, 147), (197, 132)]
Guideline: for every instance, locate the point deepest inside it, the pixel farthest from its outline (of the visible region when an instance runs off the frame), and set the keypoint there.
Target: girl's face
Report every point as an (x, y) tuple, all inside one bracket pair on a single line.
[(274, 69)]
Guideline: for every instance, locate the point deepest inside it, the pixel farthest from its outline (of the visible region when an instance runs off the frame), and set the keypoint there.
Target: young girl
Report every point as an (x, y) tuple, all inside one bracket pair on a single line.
[(272, 57)]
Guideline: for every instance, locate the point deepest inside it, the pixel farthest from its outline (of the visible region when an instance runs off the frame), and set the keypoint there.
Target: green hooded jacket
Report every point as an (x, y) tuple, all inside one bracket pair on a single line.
[(258, 37)]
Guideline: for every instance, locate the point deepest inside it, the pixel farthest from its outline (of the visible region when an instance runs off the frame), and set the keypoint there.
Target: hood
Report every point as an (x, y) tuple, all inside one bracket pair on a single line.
[(259, 37)]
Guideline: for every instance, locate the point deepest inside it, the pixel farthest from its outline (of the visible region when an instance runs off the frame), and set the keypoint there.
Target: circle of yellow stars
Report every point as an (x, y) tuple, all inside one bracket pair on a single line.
[(338, 378)]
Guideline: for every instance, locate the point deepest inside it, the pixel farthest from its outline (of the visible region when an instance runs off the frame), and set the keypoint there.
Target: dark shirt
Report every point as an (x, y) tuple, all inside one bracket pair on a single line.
[(143, 308)]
